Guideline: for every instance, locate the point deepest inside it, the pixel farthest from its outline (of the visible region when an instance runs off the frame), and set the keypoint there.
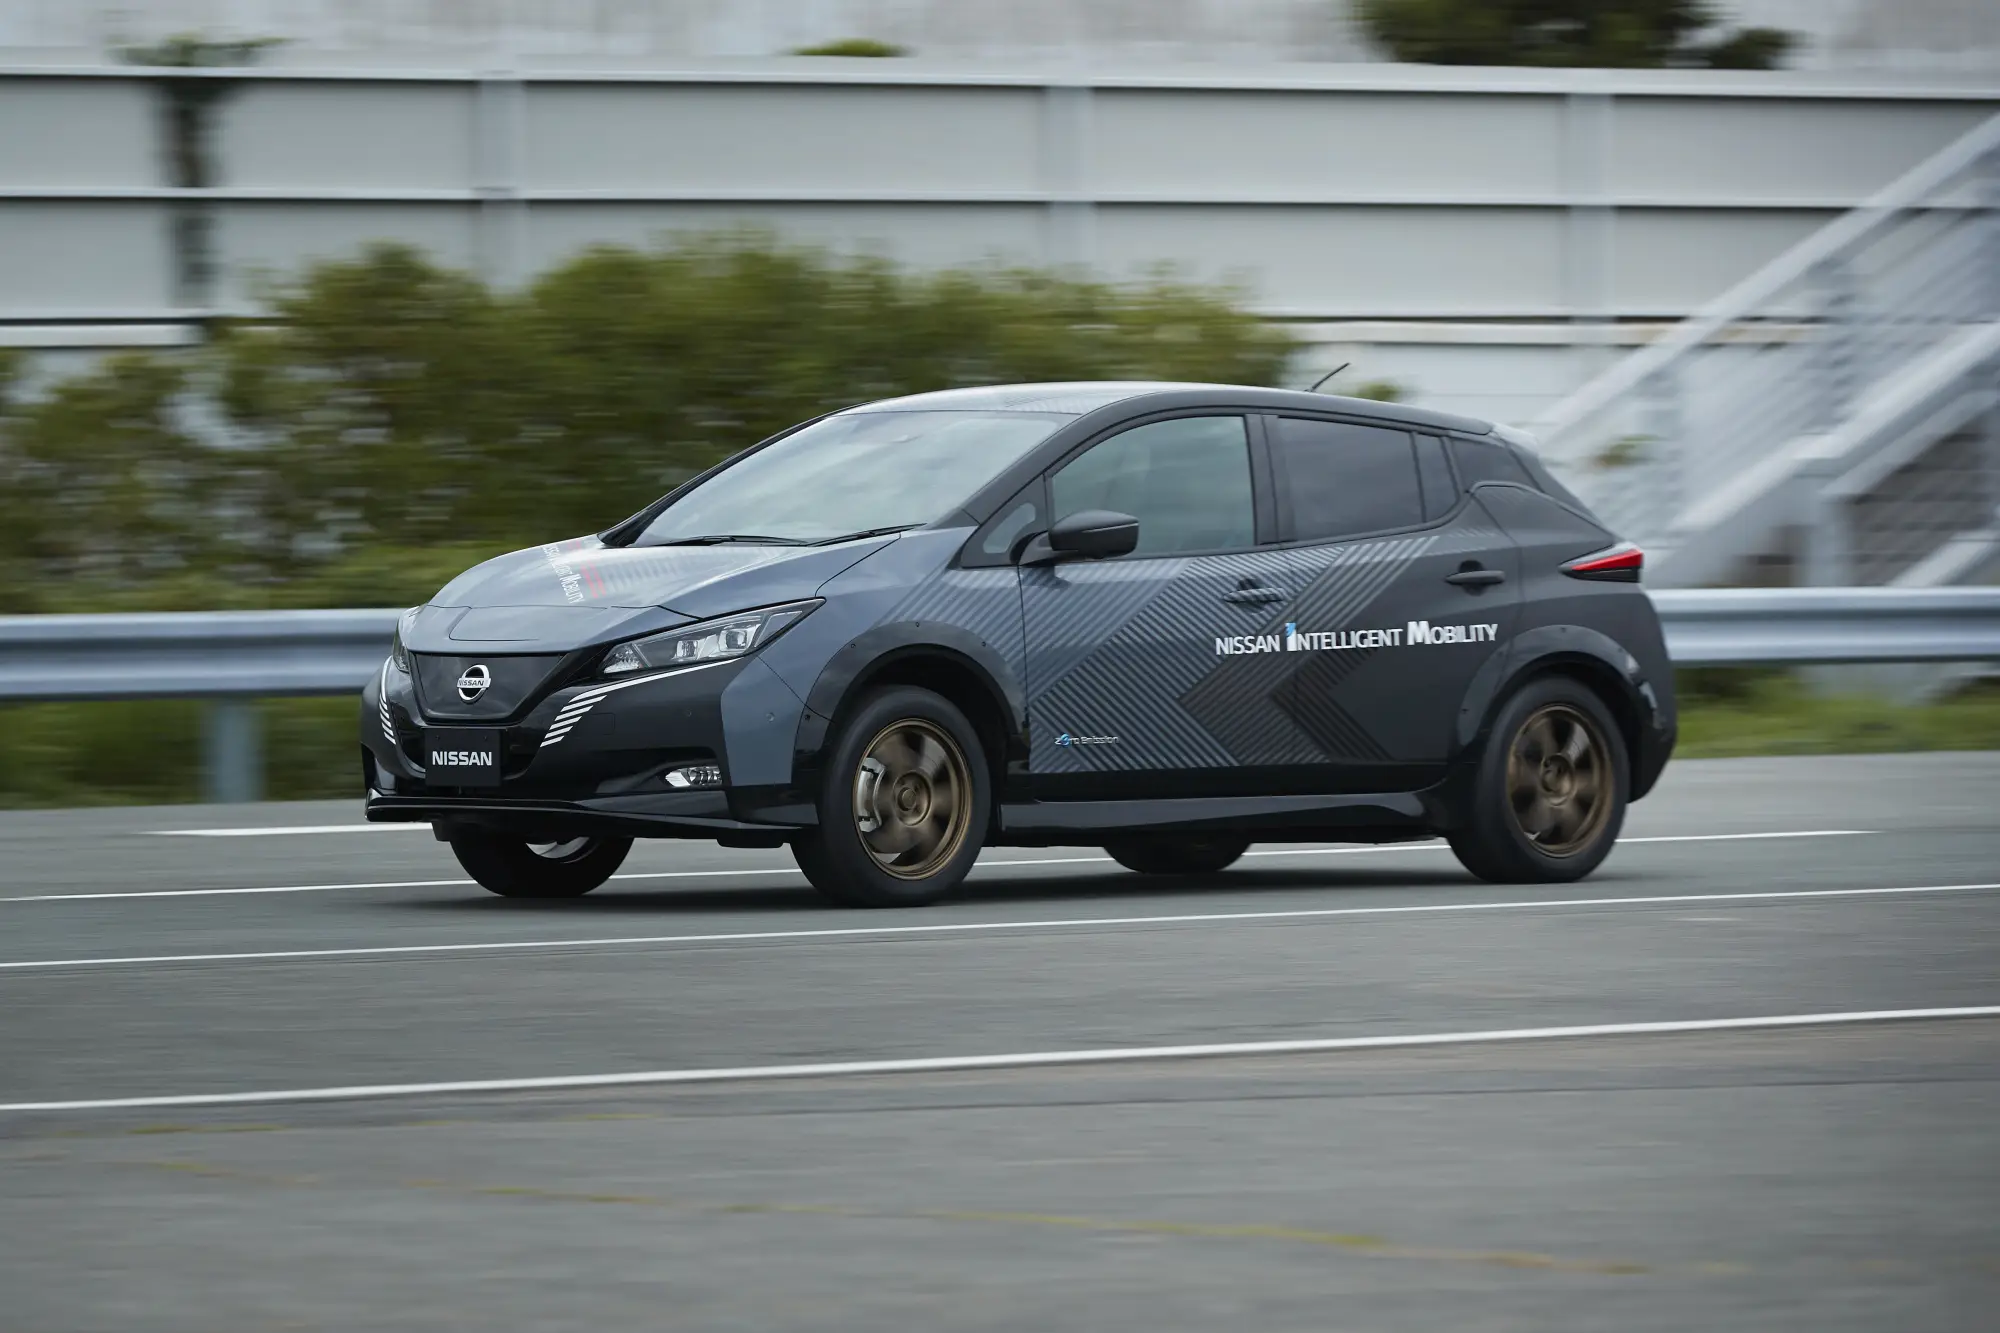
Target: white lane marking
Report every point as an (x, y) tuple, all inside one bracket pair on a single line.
[(1428, 846), (973, 927), (1016, 1060), (284, 830)]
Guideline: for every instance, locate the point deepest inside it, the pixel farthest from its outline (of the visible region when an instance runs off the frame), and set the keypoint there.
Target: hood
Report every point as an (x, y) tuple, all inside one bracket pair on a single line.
[(570, 593)]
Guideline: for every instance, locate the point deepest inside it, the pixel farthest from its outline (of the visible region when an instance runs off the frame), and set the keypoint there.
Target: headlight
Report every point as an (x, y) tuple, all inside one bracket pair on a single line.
[(708, 641), (397, 652)]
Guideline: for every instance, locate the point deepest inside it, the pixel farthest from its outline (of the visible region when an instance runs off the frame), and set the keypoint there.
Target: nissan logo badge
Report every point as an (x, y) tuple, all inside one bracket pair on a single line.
[(474, 682)]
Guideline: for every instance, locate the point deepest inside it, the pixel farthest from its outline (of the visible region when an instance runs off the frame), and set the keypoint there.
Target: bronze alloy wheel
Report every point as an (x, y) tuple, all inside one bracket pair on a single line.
[(912, 798), (1559, 780)]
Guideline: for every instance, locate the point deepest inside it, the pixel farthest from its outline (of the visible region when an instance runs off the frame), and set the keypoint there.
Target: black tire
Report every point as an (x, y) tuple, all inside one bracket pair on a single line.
[(513, 868), (1549, 789), (1177, 855), (929, 786)]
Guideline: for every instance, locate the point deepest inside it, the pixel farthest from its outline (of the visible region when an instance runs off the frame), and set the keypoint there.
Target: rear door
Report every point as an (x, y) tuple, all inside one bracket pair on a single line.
[(1402, 589)]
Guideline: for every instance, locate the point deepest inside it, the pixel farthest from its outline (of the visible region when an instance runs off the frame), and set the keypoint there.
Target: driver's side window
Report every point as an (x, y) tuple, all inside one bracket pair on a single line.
[(1186, 480)]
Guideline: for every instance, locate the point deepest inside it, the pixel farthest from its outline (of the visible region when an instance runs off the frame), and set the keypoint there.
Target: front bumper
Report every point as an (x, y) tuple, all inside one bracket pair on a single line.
[(592, 756)]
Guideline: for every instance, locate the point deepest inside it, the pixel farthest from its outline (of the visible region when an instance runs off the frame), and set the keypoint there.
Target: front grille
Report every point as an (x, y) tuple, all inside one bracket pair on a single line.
[(515, 680)]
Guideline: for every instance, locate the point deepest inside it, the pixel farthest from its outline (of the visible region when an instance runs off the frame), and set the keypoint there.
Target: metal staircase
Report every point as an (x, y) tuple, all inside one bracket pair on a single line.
[(1832, 419)]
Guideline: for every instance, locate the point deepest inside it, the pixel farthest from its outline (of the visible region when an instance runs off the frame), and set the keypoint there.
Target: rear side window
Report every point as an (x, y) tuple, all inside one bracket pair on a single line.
[(1186, 480), (1440, 491), (1478, 461), (1340, 480)]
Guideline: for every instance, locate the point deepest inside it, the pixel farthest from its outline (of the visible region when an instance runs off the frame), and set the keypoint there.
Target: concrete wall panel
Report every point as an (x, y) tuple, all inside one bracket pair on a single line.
[(83, 260), (640, 137), (79, 132), (347, 136), (1279, 143)]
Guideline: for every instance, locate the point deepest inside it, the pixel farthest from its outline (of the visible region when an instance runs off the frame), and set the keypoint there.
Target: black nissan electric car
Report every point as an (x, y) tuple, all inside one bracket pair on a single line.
[(1168, 620)]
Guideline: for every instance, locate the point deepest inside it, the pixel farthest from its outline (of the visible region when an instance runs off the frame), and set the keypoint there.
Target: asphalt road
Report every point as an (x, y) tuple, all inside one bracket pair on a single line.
[(1832, 1176)]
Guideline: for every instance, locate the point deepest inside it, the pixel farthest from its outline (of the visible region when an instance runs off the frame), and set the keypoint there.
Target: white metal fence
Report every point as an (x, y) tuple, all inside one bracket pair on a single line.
[(1860, 336)]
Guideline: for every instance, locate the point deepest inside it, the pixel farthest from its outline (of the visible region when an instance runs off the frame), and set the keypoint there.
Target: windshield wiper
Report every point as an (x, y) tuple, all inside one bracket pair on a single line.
[(865, 532), (729, 538)]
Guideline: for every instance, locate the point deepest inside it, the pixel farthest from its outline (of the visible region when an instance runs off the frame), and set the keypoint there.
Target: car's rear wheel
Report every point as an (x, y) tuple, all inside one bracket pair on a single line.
[(1549, 791), (904, 801), (516, 868), (1177, 855)]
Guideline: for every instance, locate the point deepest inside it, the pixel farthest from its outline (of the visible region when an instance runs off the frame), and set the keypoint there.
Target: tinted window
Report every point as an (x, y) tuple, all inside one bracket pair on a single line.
[(1187, 481), (1001, 534), (1479, 462), (1340, 480), (1440, 491)]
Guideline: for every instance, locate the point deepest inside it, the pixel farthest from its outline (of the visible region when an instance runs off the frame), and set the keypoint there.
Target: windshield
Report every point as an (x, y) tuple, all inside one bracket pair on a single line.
[(854, 473)]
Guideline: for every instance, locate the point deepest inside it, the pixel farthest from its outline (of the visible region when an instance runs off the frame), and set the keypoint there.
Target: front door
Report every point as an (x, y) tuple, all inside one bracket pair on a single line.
[(1114, 646)]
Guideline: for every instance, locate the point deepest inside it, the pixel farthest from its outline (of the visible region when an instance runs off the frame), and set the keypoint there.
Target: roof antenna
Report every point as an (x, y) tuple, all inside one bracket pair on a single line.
[(1329, 375)]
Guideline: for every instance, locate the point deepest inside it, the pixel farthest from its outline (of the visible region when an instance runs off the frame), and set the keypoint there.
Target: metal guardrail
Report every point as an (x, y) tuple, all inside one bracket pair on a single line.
[(191, 655), (1814, 626), (233, 657)]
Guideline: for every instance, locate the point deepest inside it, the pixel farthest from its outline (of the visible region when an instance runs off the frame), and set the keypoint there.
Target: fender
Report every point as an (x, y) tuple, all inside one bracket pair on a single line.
[(883, 645), (1548, 645)]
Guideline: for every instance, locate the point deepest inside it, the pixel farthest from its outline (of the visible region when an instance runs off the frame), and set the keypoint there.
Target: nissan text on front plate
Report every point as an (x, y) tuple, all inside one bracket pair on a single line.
[(463, 758)]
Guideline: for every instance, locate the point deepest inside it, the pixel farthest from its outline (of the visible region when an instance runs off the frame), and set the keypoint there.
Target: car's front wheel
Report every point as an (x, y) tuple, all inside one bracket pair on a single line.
[(904, 801), (1548, 793), (1177, 855), (515, 868)]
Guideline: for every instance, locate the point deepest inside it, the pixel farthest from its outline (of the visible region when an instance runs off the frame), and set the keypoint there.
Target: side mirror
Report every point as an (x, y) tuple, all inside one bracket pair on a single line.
[(1092, 534)]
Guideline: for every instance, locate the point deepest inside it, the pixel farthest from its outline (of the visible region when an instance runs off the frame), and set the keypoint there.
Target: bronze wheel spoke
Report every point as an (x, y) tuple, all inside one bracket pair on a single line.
[(1535, 816), (895, 837), (899, 755), (912, 798), (929, 758), (1579, 743), (1557, 787)]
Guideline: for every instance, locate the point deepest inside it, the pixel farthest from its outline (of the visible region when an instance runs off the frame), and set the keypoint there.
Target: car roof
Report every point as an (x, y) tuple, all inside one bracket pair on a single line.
[(1082, 397)]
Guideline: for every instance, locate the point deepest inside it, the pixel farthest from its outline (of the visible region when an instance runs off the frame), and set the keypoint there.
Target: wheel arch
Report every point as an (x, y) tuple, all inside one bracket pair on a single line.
[(947, 661), (1592, 659)]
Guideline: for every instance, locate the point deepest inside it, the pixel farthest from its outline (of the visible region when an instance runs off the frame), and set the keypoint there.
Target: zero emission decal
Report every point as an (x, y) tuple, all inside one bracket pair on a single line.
[(1295, 640), (579, 581)]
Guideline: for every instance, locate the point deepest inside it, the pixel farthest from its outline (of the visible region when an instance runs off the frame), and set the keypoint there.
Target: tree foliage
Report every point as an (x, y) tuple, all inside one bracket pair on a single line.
[(390, 421), (866, 47), (1616, 34)]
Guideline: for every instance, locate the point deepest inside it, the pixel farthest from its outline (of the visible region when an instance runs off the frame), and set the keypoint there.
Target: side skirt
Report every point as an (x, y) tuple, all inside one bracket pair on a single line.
[(1364, 817)]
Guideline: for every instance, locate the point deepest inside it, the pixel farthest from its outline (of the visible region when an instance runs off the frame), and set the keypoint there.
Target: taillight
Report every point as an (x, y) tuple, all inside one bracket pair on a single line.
[(1613, 564)]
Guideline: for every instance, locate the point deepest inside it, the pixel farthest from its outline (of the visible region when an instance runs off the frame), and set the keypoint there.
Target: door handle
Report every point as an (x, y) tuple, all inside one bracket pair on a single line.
[(1256, 596), (1476, 578)]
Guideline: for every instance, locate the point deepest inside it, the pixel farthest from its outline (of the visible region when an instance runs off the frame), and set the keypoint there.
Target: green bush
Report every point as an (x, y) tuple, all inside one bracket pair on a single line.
[(148, 752), (1619, 34), (1725, 714), (390, 420), (866, 47)]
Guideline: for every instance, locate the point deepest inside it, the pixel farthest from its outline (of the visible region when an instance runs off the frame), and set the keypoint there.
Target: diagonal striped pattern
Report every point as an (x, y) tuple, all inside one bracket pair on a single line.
[(1257, 706), (1309, 697), (382, 702), (580, 704), (984, 602), (1100, 672)]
